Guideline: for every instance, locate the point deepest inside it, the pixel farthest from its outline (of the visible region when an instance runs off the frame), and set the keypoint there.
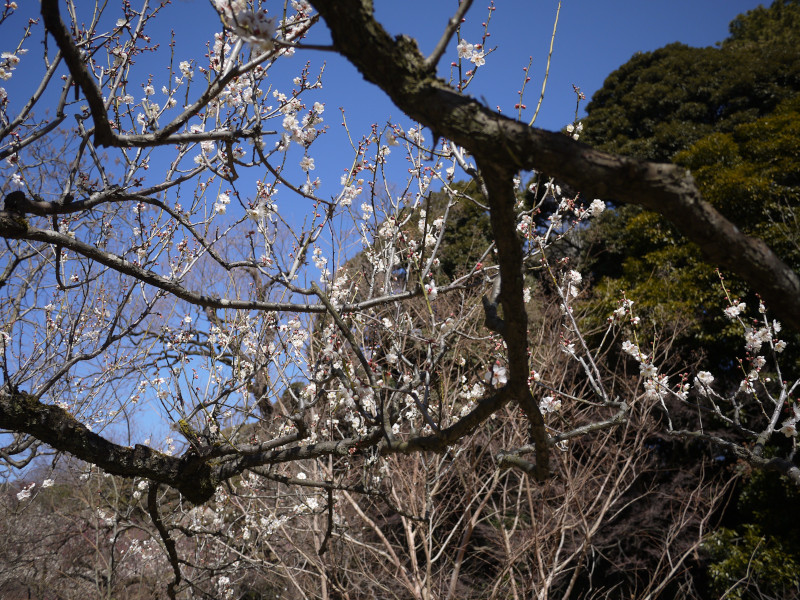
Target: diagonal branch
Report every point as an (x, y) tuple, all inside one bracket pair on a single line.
[(169, 543), (12, 228), (398, 67), (103, 133), (449, 30), (103, 136)]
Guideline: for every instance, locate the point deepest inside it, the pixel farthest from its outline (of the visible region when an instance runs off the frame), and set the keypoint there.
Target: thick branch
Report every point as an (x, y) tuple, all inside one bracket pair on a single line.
[(777, 464), (103, 136), (169, 543), (500, 188), (56, 427), (398, 68)]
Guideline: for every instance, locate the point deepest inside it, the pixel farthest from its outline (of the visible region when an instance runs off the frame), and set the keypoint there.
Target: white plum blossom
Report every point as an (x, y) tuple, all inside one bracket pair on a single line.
[(224, 587), (25, 492), (655, 388), (703, 380), (498, 376), (789, 426), (388, 228), (367, 211), (319, 260), (575, 130), (253, 27), (754, 338), (348, 194), (735, 309), (549, 404), (431, 291), (8, 62), (624, 309), (597, 207), (221, 205), (648, 369), (186, 69), (307, 164), (630, 348), (553, 189), (290, 122), (465, 49), (416, 136)]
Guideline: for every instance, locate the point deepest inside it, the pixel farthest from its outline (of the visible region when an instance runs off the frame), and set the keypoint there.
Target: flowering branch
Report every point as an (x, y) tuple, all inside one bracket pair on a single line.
[(399, 69)]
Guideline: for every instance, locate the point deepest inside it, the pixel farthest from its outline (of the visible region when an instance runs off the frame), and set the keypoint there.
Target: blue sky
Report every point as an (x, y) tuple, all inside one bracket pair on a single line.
[(593, 39)]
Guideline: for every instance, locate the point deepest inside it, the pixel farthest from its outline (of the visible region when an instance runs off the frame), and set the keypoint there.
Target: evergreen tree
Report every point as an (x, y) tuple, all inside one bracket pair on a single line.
[(730, 114)]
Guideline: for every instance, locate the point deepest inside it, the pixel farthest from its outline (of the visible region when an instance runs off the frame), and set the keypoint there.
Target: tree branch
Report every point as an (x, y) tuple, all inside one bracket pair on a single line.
[(20, 411), (449, 30), (398, 68), (169, 543)]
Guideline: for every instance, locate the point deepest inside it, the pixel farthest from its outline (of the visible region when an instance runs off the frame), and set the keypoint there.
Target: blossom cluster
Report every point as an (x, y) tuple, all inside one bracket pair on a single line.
[(8, 63), (472, 52)]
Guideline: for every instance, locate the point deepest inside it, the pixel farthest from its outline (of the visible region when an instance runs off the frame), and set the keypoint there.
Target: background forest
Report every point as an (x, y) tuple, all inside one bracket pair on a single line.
[(637, 505)]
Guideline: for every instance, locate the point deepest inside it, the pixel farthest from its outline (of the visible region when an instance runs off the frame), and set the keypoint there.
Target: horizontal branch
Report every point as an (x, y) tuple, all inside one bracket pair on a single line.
[(20, 411), (11, 228), (15, 226), (777, 464)]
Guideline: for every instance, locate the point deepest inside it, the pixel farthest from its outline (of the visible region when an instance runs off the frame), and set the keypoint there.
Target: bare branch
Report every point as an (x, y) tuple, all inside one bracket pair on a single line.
[(452, 25)]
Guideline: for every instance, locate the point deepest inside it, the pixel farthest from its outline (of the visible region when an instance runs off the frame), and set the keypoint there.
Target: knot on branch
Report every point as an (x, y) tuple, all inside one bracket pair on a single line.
[(512, 460)]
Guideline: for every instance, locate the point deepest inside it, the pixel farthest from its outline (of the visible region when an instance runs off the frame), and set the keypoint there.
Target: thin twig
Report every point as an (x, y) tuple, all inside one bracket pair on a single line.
[(547, 68), (329, 531)]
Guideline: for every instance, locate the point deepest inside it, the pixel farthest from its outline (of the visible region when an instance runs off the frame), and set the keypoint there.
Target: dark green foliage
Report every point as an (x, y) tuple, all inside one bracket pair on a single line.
[(732, 116), (761, 554), (779, 22), (752, 176), (660, 102)]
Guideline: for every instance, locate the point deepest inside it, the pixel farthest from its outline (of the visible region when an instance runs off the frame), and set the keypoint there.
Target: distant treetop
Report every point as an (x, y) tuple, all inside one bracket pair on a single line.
[(661, 102)]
